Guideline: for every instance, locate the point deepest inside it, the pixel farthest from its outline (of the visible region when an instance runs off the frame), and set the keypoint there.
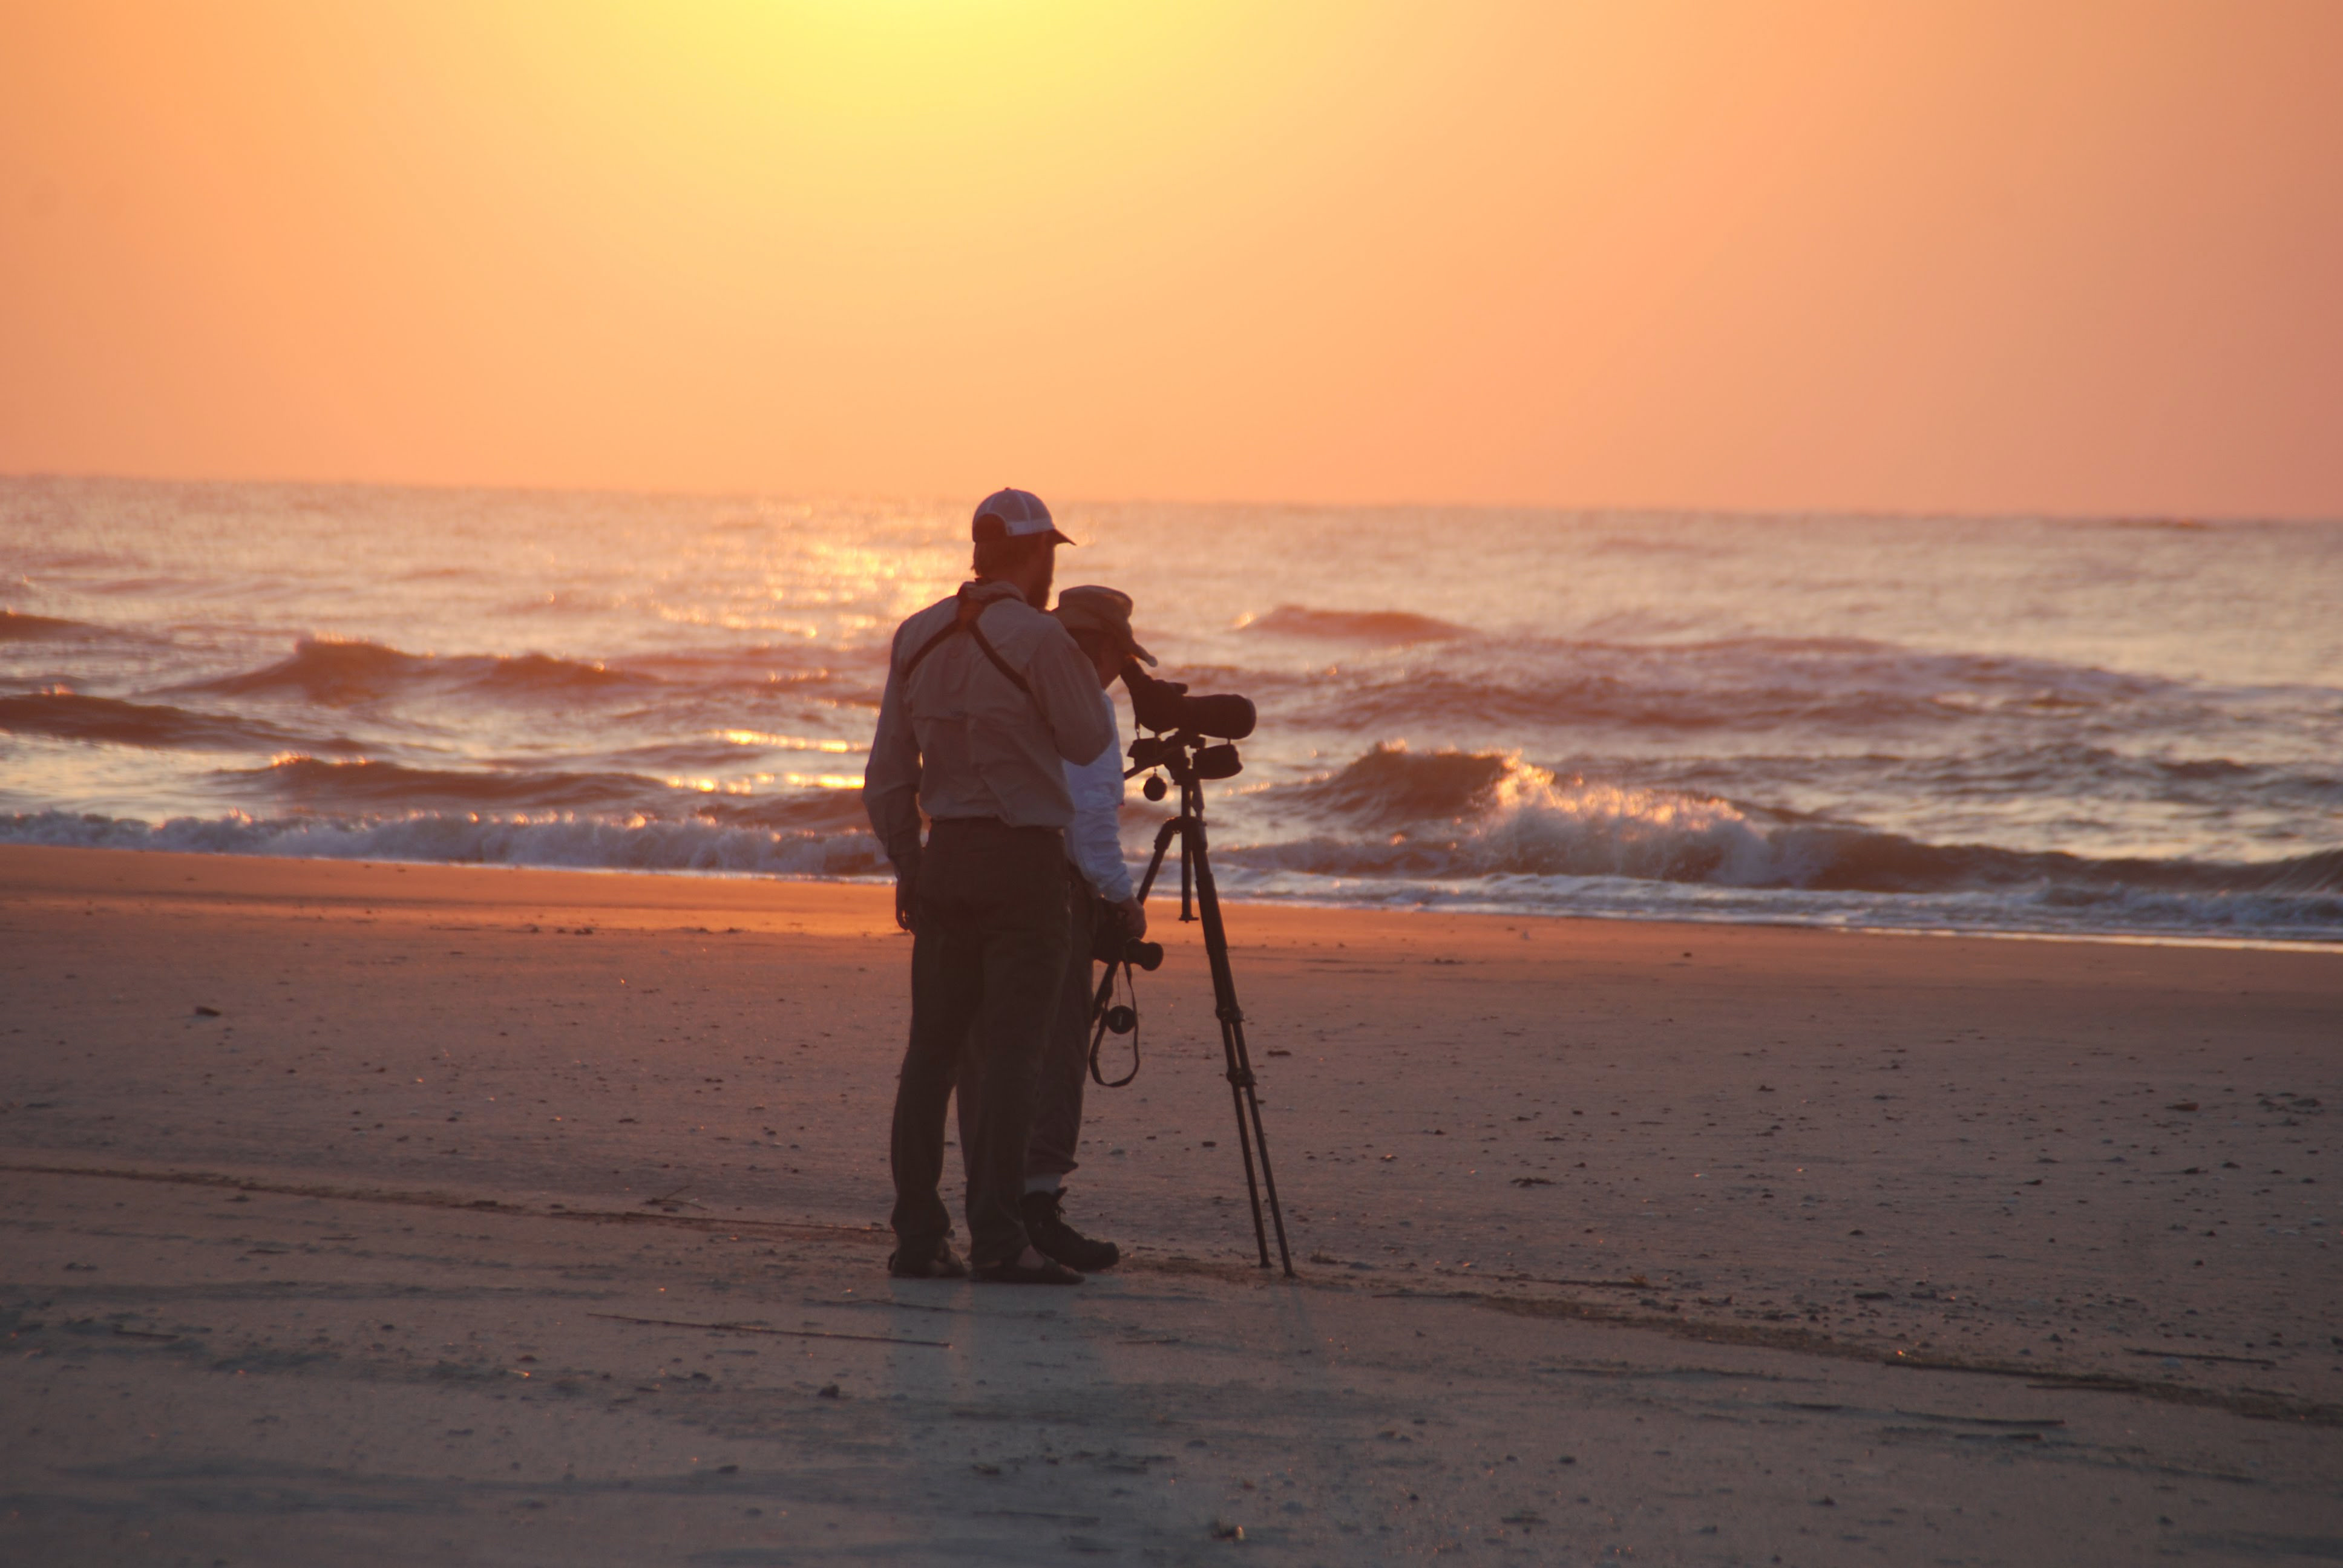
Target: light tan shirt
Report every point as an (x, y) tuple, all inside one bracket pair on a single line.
[(960, 740)]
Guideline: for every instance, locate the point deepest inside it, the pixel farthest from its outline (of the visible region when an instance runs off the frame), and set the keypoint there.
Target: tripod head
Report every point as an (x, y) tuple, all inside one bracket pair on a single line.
[(1190, 758)]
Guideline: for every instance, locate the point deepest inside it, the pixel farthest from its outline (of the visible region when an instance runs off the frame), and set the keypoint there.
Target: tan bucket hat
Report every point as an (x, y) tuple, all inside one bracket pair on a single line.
[(1102, 609)]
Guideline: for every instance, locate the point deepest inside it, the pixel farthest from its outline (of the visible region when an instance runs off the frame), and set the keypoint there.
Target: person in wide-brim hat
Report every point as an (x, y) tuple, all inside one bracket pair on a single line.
[(1105, 611)]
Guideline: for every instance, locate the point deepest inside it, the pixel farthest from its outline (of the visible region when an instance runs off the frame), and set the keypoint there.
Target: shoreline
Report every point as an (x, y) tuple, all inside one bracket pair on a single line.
[(1463, 907)]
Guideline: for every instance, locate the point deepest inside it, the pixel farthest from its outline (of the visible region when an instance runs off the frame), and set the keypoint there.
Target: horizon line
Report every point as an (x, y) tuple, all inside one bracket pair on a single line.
[(2131, 517)]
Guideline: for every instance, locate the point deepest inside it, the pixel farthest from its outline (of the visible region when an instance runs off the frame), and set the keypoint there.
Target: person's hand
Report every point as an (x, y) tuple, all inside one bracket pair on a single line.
[(907, 902), (1134, 918)]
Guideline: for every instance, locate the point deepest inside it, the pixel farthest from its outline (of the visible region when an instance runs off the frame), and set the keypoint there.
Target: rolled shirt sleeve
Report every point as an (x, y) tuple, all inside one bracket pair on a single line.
[(1094, 837)]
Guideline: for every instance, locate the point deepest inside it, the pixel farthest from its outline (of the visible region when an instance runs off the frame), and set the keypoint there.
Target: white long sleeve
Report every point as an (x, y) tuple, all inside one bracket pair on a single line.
[(1094, 837)]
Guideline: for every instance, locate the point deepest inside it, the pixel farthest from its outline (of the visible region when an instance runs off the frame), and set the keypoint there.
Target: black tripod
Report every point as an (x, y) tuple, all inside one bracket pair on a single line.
[(1189, 760)]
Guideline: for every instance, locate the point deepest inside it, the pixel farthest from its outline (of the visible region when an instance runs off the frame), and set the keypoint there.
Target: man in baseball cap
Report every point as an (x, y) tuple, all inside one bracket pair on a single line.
[(1014, 515), (986, 700)]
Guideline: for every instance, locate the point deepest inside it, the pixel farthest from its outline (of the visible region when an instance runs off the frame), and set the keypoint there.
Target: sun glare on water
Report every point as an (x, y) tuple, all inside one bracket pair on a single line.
[(786, 742)]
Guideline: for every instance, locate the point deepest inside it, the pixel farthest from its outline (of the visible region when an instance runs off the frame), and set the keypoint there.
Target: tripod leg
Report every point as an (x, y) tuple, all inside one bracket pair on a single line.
[(1163, 837), (1251, 1137), (1260, 1141), (1237, 1087), (1187, 900)]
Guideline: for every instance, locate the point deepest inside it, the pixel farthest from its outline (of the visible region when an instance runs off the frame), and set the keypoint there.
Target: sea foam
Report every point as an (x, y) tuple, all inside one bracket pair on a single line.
[(468, 840)]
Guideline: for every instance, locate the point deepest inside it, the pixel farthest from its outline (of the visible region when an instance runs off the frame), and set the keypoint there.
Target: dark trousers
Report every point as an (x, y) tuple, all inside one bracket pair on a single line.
[(988, 963), (1064, 1068), (1066, 1051)]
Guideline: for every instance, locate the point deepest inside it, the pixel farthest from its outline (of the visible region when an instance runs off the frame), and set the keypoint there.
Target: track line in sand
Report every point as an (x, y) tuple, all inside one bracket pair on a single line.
[(2253, 1404), (761, 1329)]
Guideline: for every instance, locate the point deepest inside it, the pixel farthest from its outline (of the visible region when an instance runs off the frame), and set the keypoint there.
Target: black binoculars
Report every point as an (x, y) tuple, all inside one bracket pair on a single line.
[(1111, 947)]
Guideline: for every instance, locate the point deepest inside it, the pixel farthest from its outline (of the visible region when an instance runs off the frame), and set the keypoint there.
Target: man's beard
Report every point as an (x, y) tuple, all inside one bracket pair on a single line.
[(1039, 597)]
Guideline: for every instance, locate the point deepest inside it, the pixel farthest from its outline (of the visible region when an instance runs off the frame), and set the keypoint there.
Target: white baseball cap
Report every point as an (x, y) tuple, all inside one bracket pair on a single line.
[(1013, 514)]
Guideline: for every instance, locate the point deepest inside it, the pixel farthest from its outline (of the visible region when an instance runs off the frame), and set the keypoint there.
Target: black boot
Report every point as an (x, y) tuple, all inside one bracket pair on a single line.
[(1047, 1228)]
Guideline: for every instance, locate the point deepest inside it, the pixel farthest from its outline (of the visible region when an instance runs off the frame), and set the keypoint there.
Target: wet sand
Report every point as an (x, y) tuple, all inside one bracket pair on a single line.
[(372, 1213)]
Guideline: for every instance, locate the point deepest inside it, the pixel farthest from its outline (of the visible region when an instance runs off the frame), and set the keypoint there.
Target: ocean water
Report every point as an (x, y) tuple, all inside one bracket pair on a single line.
[(2034, 726)]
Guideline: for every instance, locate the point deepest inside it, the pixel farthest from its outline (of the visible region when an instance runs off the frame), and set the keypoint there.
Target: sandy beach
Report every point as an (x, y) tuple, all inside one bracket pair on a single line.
[(375, 1213)]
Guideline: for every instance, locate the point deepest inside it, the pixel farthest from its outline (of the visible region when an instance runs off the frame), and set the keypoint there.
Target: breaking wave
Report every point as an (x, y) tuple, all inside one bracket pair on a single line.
[(2077, 770), (69, 716), (467, 839), (1843, 684), (1388, 627), (360, 784), (1462, 814), (371, 788), (15, 625), (339, 673)]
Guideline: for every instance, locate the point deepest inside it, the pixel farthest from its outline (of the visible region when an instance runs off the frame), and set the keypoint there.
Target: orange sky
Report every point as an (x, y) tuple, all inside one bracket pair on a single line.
[(2052, 255)]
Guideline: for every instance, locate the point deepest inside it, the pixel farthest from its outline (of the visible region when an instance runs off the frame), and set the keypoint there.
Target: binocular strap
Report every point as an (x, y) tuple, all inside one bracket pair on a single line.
[(1104, 1017)]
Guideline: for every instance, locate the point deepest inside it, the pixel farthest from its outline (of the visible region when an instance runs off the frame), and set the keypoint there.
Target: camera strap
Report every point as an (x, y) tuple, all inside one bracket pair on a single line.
[(966, 618), (1099, 1014)]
